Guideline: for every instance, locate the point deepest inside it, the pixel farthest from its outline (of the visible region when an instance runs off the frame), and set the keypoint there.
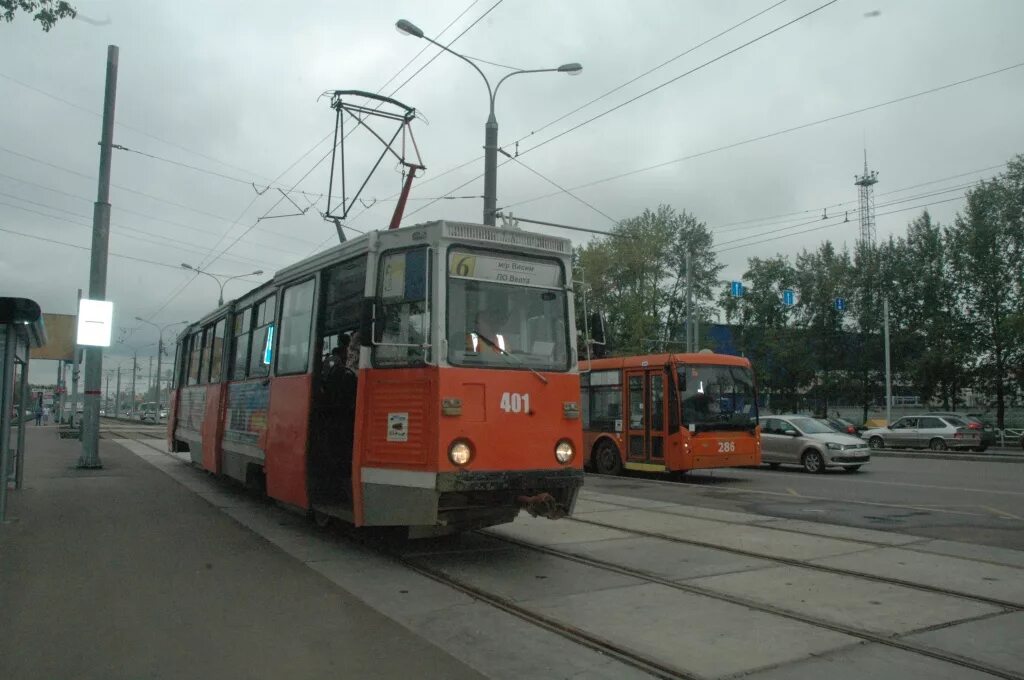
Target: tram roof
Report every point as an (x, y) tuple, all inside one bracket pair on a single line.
[(643, 360), (468, 232)]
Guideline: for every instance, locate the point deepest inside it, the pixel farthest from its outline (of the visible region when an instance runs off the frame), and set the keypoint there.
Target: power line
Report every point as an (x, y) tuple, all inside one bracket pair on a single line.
[(777, 133), (126, 126), (569, 193), (440, 52), (644, 94), (213, 173), (828, 226), (680, 76), (913, 197), (722, 227), (89, 248), (613, 90), (147, 216), (146, 237), (653, 69)]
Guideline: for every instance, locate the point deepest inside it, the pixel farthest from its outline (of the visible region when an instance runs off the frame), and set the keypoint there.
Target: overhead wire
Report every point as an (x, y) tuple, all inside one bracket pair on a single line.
[(206, 232), (693, 70), (828, 226), (613, 90), (125, 126), (770, 135)]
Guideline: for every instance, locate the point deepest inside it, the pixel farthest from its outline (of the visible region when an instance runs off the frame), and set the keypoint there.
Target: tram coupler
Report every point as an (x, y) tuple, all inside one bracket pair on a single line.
[(541, 505)]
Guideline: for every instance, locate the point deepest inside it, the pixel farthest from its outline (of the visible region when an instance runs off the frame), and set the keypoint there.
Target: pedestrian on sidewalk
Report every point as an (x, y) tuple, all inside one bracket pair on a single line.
[(46, 415), (39, 416)]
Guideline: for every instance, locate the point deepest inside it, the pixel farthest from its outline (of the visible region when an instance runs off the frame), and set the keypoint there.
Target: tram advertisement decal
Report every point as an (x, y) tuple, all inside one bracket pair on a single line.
[(192, 408), (247, 411), (504, 270)]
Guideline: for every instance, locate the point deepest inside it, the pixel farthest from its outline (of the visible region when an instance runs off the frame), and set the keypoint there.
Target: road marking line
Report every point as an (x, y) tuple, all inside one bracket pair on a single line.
[(848, 480), (813, 498), (792, 492), (1001, 513)]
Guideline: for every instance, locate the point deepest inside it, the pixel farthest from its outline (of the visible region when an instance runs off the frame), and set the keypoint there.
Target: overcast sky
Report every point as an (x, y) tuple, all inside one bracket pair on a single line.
[(232, 87)]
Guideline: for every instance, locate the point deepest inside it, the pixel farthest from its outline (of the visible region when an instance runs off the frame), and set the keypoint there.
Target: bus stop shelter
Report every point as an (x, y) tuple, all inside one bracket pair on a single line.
[(21, 329)]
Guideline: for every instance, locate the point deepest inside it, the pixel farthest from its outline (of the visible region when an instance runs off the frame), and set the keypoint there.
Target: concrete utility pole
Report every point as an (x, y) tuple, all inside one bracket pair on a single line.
[(888, 373), (117, 395), (98, 270), (74, 372), (149, 389), (689, 304), (135, 368)]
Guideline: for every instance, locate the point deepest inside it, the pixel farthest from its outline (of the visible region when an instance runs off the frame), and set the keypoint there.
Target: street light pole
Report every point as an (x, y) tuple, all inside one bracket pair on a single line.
[(218, 277), (491, 127), (160, 350)]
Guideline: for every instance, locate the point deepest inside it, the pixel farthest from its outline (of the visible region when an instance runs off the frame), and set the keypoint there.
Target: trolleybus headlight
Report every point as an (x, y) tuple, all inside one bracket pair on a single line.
[(563, 451), (460, 452)]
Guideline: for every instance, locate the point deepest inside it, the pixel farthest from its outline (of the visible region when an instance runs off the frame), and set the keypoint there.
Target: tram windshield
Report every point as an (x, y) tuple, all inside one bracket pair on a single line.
[(506, 311), (717, 397)]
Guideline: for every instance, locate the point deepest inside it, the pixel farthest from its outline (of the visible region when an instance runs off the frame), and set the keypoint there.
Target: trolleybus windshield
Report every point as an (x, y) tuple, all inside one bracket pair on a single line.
[(717, 397), (506, 311)]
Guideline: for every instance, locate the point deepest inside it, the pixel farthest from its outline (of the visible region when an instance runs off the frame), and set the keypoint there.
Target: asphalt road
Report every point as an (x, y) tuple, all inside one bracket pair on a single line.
[(967, 501)]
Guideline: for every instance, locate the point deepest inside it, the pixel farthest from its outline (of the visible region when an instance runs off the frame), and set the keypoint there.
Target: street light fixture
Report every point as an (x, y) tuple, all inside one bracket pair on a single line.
[(491, 128), (159, 352), (218, 277)]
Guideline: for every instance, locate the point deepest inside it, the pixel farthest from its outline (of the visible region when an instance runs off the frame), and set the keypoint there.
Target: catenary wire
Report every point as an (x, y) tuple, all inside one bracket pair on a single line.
[(776, 133)]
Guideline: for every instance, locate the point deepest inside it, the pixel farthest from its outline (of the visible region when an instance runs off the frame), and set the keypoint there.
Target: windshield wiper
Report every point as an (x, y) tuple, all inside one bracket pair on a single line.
[(501, 350)]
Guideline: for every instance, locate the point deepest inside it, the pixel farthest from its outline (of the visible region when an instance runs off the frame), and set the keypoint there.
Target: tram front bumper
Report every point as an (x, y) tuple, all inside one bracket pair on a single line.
[(544, 493)]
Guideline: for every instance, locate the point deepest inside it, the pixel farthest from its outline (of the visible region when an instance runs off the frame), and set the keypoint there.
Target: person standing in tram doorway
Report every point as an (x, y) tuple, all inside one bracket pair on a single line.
[(340, 385)]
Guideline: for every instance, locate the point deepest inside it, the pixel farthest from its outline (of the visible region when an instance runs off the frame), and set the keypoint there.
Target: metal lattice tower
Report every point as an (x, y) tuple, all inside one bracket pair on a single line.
[(866, 183)]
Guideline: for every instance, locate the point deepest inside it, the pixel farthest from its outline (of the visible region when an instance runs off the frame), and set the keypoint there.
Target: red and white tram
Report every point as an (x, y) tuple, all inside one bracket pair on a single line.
[(422, 377)]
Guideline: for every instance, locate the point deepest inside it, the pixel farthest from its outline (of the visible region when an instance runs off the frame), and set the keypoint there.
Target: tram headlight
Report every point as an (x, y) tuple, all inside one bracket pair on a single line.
[(564, 451), (460, 452)]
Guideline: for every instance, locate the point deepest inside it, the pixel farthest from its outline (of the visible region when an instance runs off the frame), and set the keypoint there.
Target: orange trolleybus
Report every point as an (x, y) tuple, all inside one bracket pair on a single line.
[(422, 377), (669, 412)]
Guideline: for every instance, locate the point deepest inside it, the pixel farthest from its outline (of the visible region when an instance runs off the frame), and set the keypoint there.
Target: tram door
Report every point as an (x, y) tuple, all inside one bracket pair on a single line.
[(645, 406)]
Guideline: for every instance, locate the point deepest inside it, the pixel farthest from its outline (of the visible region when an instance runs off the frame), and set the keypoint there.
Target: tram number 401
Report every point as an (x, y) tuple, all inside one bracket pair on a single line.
[(512, 402)]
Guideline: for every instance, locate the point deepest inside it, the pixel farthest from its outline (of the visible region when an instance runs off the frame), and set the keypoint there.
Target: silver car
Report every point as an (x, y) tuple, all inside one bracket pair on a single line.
[(937, 433), (811, 443)]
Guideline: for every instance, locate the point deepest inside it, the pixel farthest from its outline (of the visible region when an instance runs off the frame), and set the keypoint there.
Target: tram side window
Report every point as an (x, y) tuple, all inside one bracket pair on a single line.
[(262, 338), (196, 348), (204, 368), (605, 401), (242, 333), (296, 321), (402, 326), (217, 350)]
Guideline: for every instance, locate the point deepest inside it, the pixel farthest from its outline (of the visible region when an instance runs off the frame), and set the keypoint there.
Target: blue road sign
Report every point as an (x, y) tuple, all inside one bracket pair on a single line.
[(840, 304), (788, 297), (737, 289)]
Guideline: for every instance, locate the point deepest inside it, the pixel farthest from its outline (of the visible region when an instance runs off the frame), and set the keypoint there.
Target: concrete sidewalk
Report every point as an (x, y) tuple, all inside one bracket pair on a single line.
[(123, 573)]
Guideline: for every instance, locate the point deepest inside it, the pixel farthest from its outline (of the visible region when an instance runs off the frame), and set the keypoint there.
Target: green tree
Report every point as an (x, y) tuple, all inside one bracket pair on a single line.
[(636, 277), (987, 257), (46, 12)]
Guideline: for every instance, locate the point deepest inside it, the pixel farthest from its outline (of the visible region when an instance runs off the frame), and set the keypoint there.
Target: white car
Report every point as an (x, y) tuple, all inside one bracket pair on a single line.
[(811, 443), (938, 433)]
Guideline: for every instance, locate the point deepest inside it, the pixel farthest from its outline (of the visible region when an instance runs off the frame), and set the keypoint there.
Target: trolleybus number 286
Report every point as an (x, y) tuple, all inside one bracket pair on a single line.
[(512, 402)]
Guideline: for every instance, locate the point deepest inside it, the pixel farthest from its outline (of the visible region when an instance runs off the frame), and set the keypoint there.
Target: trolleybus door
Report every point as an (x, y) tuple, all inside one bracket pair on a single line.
[(645, 409)]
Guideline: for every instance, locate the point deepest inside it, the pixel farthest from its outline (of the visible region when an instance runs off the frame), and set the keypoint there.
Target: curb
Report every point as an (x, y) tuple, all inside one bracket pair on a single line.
[(988, 458)]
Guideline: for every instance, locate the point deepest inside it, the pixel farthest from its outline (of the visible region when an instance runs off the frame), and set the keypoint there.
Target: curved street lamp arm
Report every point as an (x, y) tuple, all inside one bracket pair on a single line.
[(490, 93), (516, 73)]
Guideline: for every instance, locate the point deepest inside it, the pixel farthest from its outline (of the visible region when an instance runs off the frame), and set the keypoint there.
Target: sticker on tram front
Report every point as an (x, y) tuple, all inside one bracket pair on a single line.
[(398, 427)]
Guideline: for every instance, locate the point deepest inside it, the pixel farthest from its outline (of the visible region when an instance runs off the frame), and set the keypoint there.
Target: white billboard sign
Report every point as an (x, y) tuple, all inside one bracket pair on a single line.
[(95, 322)]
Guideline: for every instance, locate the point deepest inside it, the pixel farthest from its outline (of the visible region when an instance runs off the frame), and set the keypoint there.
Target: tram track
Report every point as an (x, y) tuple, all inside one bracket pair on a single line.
[(852, 631), (838, 571), (420, 564)]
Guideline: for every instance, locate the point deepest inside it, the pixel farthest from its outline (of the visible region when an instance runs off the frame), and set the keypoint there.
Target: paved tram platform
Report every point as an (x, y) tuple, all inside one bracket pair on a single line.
[(122, 573), (152, 568)]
